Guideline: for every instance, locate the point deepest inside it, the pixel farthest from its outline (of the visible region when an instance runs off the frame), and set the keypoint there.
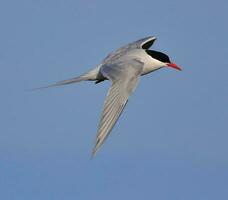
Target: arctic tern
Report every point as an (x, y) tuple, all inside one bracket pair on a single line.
[(123, 68)]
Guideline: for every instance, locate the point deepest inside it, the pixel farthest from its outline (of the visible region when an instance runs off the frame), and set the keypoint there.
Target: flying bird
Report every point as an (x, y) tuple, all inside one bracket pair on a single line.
[(123, 68)]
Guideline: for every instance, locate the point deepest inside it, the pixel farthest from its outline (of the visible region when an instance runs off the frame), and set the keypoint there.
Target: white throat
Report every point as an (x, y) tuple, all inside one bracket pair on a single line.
[(151, 64)]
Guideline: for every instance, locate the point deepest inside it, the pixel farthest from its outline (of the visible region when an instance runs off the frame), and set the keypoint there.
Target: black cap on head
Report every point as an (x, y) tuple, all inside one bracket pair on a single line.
[(159, 56)]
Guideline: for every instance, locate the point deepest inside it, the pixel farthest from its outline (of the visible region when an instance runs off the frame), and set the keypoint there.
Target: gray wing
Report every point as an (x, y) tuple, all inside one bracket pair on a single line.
[(144, 43), (124, 79)]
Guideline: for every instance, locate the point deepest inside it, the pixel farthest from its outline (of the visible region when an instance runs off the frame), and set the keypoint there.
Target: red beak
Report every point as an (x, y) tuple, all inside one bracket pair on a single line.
[(173, 65)]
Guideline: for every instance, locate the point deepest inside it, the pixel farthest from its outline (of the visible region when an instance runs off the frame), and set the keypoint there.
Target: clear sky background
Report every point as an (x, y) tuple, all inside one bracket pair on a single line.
[(171, 141)]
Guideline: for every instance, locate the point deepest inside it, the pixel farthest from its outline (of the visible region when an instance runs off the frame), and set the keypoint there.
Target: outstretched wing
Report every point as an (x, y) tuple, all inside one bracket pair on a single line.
[(144, 43), (124, 79)]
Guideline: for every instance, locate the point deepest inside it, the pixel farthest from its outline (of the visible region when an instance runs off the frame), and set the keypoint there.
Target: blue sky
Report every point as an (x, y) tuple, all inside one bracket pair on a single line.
[(171, 141)]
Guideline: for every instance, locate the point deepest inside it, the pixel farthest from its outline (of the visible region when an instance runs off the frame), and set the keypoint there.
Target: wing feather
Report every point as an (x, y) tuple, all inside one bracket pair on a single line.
[(124, 80)]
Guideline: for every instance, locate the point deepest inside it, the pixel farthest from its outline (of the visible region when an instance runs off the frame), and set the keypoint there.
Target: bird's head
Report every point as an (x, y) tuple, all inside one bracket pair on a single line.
[(161, 60)]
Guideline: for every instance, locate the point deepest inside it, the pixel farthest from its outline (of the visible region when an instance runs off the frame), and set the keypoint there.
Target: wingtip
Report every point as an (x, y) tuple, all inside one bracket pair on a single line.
[(153, 37), (148, 42), (93, 154), (96, 148)]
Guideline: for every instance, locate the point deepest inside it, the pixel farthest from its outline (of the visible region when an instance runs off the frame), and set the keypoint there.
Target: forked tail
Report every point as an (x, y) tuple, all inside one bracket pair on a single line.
[(89, 76)]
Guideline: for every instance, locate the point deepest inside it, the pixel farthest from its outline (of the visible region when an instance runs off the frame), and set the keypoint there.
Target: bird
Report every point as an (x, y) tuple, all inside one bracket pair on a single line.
[(123, 68)]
